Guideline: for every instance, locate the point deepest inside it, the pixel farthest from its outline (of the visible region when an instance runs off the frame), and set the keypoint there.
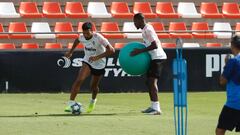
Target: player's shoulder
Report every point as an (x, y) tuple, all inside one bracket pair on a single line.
[(81, 37), (97, 35), (149, 27)]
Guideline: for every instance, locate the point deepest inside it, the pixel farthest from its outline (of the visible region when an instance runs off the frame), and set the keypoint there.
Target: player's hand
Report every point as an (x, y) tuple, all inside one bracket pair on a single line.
[(68, 54), (135, 52), (93, 58)]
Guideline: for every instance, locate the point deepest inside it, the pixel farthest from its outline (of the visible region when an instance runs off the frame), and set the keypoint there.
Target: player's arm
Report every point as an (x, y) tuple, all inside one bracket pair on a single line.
[(149, 48), (69, 53), (109, 51), (227, 72)]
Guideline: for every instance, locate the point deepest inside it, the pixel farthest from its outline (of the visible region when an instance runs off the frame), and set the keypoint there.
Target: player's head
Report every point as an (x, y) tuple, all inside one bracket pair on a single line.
[(235, 44), (139, 20), (87, 30)]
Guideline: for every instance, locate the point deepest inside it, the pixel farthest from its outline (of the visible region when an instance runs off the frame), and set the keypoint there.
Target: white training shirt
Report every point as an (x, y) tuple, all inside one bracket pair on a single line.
[(149, 35), (93, 47)]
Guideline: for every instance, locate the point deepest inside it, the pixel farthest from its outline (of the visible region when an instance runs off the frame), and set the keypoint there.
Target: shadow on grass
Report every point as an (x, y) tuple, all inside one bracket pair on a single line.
[(56, 115)]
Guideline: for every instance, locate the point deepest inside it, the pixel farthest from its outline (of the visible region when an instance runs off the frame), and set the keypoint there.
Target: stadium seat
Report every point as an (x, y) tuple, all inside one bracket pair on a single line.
[(75, 10), (111, 27), (119, 45), (222, 26), (145, 8), (190, 45), (2, 30), (80, 27), (201, 26), (64, 27), (159, 27), (52, 10), (121, 10), (210, 10), (98, 10), (30, 46), (42, 27), (79, 46), (7, 46), (18, 27), (7, 10), (237, 28), (231, 10), (168, 45), (29, 10), (53, 46), (130, 27), (178, 26), (188, 10), (166, 10), (213, 45)]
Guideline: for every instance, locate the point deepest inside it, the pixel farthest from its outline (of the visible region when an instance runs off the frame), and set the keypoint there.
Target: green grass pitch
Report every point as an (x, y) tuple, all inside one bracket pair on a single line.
[(115, 114)]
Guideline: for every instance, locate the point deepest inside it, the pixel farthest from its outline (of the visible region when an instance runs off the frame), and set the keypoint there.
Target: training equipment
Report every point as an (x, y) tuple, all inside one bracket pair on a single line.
[(180, 91), (134, 65), (76, 108)]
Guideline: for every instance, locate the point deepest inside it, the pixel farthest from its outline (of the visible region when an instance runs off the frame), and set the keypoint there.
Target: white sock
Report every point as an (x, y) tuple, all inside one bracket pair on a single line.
[(93, 100), (71, 102), (156, 106)]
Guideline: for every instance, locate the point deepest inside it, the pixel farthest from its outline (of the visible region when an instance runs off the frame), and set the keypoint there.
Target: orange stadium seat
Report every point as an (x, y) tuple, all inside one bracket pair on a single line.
[(53, 46), (75, 10), (178, 26), (210, 10), (145, 8), (2, 30), (166, 10), (238, 28), (64, 27), (201, 26), (168, 45), (120, 10), (18, 27), (230, 10), (29, 10), (79, 46), (80, 27), (7, 46), (111, 27), (159, 27), (52, 10), (119, 45), (30, 46), (213, 45)]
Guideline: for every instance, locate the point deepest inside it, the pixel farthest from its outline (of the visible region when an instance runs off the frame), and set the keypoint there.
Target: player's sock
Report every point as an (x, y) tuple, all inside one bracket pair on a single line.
[(91, 105), (156, 106), (69, 104)]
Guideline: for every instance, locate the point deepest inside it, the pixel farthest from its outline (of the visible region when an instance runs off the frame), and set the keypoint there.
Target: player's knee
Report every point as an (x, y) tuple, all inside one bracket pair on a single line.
[(149, 83), (94, 87), (220, 131)]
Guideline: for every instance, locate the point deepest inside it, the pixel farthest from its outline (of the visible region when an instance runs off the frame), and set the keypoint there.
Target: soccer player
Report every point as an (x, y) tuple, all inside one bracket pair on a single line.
[(158, 56), (96, 48), (230, 115)]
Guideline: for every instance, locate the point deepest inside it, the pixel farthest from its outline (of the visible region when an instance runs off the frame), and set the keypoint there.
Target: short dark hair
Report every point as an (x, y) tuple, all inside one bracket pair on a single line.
[(139, 16), (87, 26), (235, 41)]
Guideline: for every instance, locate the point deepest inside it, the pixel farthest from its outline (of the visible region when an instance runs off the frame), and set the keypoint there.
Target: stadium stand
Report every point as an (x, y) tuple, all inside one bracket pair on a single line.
[(42, 27), (29, 10), (30, 46), (166, 10), (203, 26), (111, 27), (53, 46), (64, 27), (168, 45), (79, 46), (2, 36), (190, 45), (98, 10), (230, 10), (129, 27), (75, 10), (52, 10), (119, 45), (120, 10), (222, 26), (213, 45), (145, 8), (7, 46), (210, 10), (159, 27), (18, 27), (7, 10), (178, 26), (188, 10)]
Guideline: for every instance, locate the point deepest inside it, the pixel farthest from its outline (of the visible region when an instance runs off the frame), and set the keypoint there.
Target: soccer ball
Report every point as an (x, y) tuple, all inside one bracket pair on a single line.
[(76, 109)]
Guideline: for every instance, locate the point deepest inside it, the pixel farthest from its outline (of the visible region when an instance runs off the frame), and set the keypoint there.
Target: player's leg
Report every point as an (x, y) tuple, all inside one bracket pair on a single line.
[(96, 77), (153, 74), (220, 131), (95, 89), (83, 73)]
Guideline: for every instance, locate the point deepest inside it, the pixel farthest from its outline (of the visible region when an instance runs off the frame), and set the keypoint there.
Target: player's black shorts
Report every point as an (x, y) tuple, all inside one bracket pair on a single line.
[(94, 71), (155, 68), (229, 119)]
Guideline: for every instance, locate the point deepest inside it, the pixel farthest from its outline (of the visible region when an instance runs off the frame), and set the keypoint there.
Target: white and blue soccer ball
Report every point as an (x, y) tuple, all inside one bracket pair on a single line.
[(76, 109)]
